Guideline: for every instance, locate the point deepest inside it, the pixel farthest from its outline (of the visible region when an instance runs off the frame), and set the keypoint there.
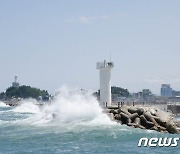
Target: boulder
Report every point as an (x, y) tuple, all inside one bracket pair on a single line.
[(125, 111), (117, 117), (140, 126), (132, 110), (137, 121), (133, 116), (171, 128), (125, 118), (144, 118), (140, 111), (150, 118)]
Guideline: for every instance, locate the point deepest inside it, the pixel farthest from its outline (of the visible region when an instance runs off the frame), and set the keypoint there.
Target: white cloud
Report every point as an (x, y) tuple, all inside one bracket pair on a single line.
[(84, 20), (90, 19)]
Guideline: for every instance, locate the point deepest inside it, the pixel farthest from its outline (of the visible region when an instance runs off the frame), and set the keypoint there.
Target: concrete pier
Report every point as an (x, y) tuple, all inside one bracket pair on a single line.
[(174, 107)]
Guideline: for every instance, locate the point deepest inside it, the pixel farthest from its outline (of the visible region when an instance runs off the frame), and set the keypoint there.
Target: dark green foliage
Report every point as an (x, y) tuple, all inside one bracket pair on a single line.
[(115, 91), (2, 95), (25, 92), (120, 91)]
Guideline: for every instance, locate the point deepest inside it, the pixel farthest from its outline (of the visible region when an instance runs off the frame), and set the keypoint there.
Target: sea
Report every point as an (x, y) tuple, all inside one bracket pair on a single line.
[(73, 123)]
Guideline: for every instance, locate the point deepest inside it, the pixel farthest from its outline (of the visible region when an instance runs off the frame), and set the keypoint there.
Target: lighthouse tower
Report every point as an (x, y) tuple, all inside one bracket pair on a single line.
[(15, 83), (105, 82)]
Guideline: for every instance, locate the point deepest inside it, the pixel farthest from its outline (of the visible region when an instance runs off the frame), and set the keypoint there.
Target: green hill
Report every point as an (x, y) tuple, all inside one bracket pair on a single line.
[(116, 91), (24, 92)]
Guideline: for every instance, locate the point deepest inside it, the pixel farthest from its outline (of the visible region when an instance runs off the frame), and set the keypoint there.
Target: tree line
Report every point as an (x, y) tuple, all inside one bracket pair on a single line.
[(24, 92), (116, 91)]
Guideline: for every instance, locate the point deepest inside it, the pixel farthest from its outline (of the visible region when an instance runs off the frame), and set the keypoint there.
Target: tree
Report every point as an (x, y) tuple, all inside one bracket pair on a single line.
[(26, 92), (121, 92), (2, 95), (115, 91)]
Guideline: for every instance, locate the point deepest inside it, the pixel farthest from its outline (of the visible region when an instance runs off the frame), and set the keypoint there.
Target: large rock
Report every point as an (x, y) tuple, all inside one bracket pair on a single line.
[(145, 118), (125, 118)]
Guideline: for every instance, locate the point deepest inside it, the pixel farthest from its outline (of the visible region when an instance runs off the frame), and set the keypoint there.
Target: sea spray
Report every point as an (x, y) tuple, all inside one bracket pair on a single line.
[(30, 128), (72, 107), (27, 106), (2, 104)]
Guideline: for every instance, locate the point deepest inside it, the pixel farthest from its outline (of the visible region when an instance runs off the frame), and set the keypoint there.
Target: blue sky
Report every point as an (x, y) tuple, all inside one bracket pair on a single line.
[(51, 43)]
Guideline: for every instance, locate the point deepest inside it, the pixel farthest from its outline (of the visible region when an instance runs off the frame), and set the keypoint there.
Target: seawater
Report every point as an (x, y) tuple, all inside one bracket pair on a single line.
[(72, 123)]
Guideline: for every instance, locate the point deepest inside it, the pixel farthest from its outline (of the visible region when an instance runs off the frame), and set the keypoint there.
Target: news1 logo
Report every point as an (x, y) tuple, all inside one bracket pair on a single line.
[(161, 142)]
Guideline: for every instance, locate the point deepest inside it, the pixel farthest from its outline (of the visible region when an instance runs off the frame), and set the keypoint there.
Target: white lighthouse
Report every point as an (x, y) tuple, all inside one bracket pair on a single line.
[(15, 83), (105, 82)]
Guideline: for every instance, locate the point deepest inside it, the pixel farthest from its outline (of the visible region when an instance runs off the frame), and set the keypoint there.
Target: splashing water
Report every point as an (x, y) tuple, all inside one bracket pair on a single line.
[(2, 104), (69, 107), (72, 123), (27, 106)]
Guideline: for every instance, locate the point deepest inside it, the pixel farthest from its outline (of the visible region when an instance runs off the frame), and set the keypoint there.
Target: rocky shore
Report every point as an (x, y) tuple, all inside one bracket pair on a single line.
[(145, 118)]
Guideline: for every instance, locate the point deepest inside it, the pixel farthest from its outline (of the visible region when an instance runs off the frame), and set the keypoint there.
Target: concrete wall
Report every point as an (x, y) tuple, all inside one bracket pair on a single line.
[(174, 108)]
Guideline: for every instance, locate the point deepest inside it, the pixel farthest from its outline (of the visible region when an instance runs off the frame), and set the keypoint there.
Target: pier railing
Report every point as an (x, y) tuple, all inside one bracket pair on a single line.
[(173, 103)]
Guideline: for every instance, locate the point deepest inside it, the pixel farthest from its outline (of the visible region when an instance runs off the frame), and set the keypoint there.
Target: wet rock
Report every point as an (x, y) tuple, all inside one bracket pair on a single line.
[(117, 117), (154, 128), (140, 111), (140, 126), (111, 111), (125, 111), (133, 116), (160, 121), (132, 110), (150, 118), (116, 112), (145, 118), (149, 125), (125, 118), (137, 121), (177, 123), (161, 128), (153, 112), (131, 124), (171, 128)]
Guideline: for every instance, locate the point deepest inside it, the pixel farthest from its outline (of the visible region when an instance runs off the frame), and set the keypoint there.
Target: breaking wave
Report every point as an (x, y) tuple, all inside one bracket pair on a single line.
[(69, 107), (27, 106), (2, 104)]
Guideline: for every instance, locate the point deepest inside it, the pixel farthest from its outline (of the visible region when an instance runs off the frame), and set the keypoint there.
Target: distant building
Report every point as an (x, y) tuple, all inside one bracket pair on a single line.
[(146, 95), (146, 92), (175, 93), (139, 95), (143, 96), (15, 83), (166, 90)]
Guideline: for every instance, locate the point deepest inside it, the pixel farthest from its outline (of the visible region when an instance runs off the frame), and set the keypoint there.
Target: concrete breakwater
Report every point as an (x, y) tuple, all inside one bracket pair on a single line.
[(144, 118), (175, 108)]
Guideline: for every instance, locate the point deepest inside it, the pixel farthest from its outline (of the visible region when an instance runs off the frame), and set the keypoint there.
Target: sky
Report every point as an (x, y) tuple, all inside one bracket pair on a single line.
[(48, 43)]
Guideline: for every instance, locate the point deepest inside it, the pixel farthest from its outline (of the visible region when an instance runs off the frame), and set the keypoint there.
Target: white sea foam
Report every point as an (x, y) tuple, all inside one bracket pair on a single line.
[(27, 106), (74, 107), (2, 104)]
